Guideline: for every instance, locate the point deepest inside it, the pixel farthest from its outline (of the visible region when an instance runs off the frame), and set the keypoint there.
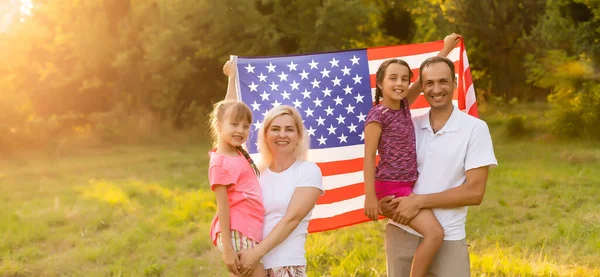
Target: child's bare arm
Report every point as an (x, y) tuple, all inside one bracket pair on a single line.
[(229, 69)]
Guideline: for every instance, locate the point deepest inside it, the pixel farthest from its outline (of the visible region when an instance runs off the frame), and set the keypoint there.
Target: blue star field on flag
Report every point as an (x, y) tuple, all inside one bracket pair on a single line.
[(331, 91)]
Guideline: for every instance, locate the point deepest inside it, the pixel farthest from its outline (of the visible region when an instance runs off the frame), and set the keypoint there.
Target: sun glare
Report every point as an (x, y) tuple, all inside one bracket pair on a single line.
[(25, 9)]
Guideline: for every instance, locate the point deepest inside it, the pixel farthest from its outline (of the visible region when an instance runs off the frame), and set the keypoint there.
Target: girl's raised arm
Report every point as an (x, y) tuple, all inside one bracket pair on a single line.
[(450, 42), (230, 70)]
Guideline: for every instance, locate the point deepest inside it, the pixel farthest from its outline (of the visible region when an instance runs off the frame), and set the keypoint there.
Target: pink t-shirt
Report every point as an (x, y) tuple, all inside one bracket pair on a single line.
[(397, 144), (246, 210)]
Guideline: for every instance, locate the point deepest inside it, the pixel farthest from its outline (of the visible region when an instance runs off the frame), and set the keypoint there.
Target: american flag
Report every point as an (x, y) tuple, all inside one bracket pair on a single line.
[(334, 92)]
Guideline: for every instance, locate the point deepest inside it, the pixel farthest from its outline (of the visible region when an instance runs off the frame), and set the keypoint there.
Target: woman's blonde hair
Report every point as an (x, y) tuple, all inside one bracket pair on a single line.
[(301, 150)]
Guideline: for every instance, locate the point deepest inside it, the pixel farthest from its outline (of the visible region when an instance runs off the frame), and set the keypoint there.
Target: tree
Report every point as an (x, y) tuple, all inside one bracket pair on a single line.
[(568, 65), (494, 30)]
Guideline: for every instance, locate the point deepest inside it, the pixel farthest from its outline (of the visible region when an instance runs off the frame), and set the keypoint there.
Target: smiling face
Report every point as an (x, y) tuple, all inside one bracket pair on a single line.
[(438, 85), (396, 80), (234, 132), (282, 135), (230, 123)]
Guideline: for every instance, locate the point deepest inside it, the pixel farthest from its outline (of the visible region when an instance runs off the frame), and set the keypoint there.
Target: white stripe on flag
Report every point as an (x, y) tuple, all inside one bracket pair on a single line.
[(470, 97), (337, 208), (342, 180), (465, 60), (333, 154)]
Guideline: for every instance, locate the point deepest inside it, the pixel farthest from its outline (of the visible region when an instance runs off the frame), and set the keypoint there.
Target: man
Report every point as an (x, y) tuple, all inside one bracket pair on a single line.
[(454, 152)]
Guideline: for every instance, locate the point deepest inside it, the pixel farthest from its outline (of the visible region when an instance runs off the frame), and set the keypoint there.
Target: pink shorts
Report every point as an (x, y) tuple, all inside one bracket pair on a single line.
[(398, 189)]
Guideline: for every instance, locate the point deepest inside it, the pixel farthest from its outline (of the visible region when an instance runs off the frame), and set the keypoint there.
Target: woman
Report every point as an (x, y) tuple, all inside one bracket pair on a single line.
[(291, 186)]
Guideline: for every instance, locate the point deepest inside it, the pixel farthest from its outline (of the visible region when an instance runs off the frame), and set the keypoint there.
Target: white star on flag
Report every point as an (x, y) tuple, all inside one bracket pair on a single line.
[(292, 66), (315, 83), (329, 110), (253, 87), (265, 96), (262, 77), (350, 109), (271, 67), (331, 129), (338, 100), (317, 102), (322, 140), (357, 79), (359, 98), (361, 117), (352, 128), (320, 121), (282, 76), (297, 104), (257, 125), (294, 85), (250, 68), (306, 93), (336, 81), (303, 75), (255, 106), (309, 112), (334, 62), (346, 70), (348, 90), (340, 119)]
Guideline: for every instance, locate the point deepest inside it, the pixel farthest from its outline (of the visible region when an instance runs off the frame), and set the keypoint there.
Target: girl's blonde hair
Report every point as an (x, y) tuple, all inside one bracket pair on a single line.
[(266, 153), (238, 111)]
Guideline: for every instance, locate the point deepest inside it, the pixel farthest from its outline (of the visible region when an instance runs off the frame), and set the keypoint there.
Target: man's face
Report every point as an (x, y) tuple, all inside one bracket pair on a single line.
[(438, 85)]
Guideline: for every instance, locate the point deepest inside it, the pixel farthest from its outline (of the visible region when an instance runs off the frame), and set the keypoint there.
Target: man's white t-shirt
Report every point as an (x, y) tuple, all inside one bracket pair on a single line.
[(443, 158), (278, 189)]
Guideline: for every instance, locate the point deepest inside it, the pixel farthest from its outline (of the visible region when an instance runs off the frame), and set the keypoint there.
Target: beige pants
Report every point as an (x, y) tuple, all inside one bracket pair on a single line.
[(451, 260)]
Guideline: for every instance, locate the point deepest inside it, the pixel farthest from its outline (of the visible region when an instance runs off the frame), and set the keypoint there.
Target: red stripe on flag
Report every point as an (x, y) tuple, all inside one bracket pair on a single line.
[(343, 193), (342, 167), (421, 102), (473, 110), (385, 52), (468, 79), (338, 221)]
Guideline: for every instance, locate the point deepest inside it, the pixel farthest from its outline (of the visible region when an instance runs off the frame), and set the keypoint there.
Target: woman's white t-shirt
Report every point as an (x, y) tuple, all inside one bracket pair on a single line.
[(278, 189)]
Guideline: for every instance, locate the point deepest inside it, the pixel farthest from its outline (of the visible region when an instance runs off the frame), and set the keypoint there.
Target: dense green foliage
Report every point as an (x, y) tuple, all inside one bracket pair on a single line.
[(568, 64), (109, 66)]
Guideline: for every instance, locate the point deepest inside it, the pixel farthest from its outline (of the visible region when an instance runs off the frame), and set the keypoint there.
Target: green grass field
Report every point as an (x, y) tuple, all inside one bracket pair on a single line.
[(146, 211)]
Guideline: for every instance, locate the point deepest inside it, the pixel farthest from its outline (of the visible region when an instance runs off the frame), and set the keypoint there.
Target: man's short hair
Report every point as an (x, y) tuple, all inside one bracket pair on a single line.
[(436, 59)]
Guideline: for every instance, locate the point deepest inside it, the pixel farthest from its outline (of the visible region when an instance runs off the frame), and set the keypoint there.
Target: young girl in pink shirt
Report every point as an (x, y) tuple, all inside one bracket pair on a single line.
[(232, 174)]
